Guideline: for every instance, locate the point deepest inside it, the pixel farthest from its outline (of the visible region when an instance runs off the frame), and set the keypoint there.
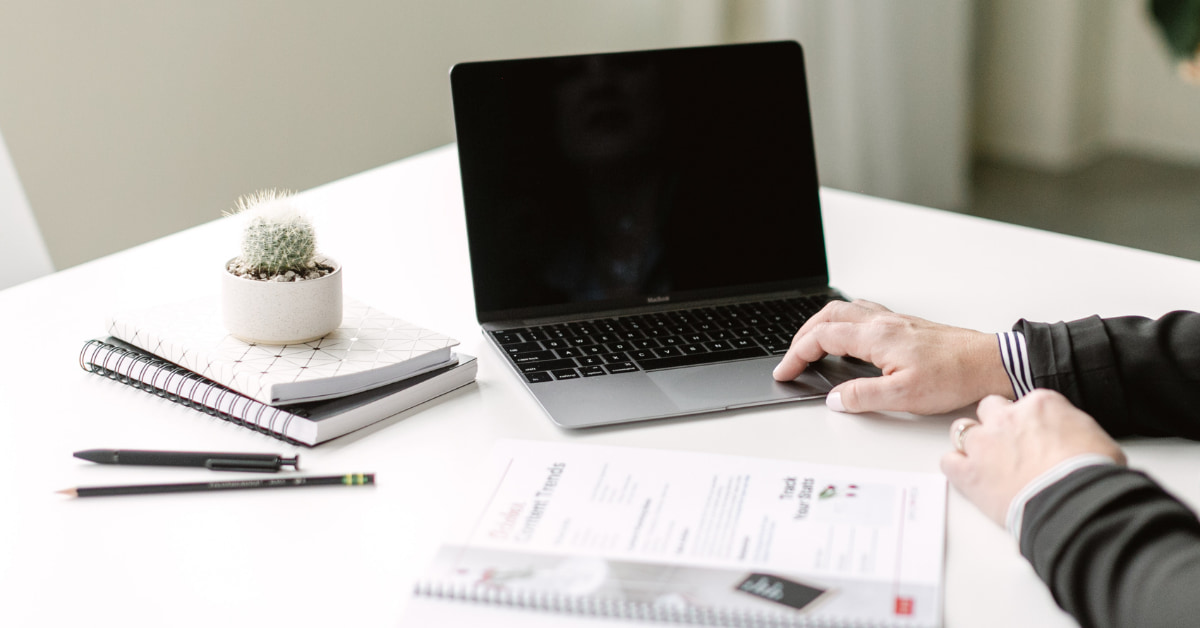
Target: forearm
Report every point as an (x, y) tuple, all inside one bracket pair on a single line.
[(1115, 549), (1134, 375)]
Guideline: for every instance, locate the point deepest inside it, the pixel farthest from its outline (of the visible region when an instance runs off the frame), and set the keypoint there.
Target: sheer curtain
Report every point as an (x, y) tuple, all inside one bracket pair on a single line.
[(889, 89)]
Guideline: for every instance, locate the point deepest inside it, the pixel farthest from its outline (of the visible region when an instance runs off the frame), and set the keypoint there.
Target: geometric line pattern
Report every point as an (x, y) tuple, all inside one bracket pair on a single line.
[(368, 344)]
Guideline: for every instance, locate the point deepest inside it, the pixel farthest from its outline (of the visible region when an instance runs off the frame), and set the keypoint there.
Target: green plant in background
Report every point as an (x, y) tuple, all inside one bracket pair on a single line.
[(1179, 21), (277, 238), (1179, 24)]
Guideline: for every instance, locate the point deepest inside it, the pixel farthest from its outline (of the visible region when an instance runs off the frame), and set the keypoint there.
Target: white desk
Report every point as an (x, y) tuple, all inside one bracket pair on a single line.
[(348, 557)]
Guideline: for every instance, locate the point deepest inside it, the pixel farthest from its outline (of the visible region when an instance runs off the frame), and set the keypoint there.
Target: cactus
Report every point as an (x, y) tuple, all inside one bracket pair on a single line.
[(278, 237)]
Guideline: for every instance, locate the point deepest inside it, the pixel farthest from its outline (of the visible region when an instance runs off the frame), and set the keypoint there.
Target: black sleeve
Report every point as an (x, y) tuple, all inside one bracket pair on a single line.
[(1115, 549), (1136, 376)]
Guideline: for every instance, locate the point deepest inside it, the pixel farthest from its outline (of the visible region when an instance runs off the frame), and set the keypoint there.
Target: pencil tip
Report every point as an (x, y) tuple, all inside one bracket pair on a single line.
[(96, 455), (69, 491)]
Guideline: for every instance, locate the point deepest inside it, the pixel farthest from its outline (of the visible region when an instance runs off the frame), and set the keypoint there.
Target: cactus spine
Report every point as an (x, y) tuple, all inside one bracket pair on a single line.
[(278, 237)]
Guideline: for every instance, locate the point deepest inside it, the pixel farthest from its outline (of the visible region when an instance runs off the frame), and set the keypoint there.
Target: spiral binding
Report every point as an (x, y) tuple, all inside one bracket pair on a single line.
[(167, 380), (611, 608)]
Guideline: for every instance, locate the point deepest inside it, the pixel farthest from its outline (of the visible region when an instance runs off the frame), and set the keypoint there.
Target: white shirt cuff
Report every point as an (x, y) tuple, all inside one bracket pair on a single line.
[(1016, 508)]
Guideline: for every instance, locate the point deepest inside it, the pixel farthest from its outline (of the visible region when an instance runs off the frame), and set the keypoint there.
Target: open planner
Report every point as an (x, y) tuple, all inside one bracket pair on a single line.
[(582, 534)]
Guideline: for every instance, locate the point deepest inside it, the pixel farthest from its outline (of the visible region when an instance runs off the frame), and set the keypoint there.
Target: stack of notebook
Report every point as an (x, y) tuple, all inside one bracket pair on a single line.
[(372, 367)]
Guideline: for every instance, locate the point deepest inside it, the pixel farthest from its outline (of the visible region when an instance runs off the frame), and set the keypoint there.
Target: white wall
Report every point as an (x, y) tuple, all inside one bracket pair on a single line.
[(130, 119), (1036, 98), (1151, 111), (1059, 83), (889, 83)]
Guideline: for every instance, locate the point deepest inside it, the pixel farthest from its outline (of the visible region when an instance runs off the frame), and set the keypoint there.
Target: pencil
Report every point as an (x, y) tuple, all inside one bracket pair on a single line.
[(350, 479)]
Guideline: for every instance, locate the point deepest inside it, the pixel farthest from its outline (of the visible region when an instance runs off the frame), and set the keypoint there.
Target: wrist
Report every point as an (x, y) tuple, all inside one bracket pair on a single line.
[(992, 378)]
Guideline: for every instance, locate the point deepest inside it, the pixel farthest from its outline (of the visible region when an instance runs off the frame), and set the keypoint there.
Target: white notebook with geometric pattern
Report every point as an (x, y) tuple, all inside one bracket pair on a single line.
[(370, 349)]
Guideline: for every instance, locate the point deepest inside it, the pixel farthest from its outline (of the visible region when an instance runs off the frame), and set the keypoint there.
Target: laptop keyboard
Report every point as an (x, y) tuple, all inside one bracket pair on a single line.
[(662, 340)]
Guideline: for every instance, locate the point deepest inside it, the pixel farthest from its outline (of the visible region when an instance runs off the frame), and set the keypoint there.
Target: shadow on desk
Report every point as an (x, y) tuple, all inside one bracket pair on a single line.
[(352, 438)]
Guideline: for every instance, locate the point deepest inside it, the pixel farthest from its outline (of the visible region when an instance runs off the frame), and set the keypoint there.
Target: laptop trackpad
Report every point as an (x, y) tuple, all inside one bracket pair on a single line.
[(735, 384)]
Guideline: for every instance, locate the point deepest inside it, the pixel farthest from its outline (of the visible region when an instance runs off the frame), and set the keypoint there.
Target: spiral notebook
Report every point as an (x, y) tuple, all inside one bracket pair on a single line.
[(572, 534), (300, 424)]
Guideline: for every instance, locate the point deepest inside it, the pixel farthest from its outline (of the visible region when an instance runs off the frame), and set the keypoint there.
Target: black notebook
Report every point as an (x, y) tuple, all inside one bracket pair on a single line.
[(302, 424)]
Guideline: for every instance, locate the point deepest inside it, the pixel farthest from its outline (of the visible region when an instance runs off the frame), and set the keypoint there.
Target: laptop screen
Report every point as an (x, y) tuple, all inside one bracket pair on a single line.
[(610, 180)]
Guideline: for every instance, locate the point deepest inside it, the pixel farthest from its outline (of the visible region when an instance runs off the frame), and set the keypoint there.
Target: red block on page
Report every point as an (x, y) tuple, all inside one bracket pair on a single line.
[(904, 606)]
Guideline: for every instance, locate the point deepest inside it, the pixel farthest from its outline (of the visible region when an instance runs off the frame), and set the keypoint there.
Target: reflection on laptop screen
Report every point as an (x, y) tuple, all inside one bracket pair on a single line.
[(633, 177)]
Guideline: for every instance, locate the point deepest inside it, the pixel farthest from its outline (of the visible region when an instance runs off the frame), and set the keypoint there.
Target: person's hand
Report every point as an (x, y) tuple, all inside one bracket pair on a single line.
[(928, 368), (1013, 443)]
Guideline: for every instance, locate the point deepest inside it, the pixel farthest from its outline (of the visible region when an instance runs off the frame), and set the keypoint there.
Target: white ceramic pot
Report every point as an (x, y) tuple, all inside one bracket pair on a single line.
[(282, 312)]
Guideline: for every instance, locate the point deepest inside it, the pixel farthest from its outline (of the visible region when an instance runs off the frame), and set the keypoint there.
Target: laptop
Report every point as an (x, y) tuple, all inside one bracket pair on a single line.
[(644, 227)]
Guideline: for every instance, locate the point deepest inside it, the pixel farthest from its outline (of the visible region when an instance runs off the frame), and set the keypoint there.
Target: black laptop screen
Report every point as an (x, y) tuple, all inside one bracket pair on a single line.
[(627, 178)]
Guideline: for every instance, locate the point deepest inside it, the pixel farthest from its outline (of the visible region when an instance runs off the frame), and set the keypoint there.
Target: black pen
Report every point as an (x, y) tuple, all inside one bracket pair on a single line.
[(350, 479), (218, 461)]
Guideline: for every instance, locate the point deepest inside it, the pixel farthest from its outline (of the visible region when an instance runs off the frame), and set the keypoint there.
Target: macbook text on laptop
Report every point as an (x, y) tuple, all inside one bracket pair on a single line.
[(644, 227)]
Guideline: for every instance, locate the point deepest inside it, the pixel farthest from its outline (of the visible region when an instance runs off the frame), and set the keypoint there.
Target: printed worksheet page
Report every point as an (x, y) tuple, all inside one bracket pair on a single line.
[(695, 532)]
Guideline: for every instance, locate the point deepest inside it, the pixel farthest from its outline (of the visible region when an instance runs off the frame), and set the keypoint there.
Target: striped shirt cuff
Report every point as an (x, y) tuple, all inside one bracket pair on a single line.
[(1016, 362), (1016, 508)]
